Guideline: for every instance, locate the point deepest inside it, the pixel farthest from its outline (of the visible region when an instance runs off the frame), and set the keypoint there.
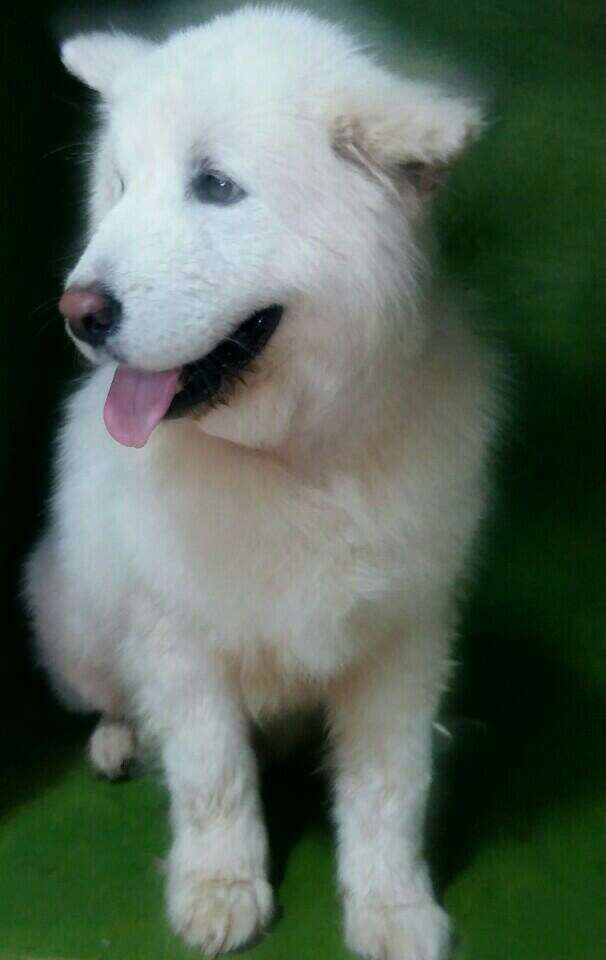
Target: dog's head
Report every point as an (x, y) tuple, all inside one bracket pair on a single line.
[(256, 191)]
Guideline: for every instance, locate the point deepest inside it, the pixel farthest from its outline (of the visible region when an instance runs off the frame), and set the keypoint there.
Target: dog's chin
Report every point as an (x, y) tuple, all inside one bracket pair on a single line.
[(208, 380)]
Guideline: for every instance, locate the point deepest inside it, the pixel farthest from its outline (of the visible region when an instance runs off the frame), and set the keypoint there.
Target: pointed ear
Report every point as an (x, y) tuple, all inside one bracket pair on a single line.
[(406, 133), (97, 58)]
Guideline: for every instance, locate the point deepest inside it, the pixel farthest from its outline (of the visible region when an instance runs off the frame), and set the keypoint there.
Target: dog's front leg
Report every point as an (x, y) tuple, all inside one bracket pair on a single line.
[(218, 894), (382, 719)]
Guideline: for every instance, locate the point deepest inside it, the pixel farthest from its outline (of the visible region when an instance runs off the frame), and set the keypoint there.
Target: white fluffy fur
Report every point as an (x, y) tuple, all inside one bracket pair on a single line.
[(301, 546)]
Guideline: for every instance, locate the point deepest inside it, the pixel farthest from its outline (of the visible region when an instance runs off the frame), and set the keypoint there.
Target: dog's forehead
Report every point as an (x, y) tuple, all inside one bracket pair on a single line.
[(175, 110), (249, 89)]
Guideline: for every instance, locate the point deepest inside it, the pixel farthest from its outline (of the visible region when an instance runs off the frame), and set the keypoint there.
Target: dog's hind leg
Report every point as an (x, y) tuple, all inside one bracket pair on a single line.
[(92, 687), (112, 747), (75, 644)]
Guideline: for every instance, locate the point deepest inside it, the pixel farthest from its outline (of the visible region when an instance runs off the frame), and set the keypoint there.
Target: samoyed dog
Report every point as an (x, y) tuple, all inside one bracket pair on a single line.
[(268, 483)]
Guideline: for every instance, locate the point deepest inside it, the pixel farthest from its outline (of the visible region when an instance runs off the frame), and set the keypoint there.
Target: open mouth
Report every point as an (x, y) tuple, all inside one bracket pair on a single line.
[(204, 380), (138, 400)]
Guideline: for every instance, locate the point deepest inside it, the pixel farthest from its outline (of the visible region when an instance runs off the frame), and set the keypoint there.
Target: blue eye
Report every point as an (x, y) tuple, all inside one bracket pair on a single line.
[(216, 188)]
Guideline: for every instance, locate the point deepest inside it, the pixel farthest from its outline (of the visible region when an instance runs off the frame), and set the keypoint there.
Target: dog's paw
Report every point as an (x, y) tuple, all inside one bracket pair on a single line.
[(219, 915), (419, 931), (111, 748)]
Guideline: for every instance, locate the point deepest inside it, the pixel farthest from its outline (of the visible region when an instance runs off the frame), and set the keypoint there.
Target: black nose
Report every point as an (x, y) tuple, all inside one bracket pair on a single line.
[(91, 316)]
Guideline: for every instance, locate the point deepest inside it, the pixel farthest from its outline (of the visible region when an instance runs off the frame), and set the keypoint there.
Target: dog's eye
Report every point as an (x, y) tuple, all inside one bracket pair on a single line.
[(216, 188)]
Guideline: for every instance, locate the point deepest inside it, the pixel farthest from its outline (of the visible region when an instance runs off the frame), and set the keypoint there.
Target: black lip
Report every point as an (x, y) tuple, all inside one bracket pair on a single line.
[(204, 380)]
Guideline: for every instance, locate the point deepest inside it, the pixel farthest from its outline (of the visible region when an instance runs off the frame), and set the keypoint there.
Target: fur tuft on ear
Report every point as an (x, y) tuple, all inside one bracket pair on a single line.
[(406, 129), (96, 58)]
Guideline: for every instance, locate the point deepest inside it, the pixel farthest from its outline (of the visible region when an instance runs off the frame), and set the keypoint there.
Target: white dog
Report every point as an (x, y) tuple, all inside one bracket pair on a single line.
[(258, 221)]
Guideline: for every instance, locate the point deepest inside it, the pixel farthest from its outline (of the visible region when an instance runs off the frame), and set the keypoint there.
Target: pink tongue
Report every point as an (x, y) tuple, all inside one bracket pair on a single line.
[(136, 402)]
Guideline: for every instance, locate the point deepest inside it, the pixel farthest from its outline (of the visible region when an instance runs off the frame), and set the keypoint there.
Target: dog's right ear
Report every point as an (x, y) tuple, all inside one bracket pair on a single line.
[(405, 133), (97, 58)]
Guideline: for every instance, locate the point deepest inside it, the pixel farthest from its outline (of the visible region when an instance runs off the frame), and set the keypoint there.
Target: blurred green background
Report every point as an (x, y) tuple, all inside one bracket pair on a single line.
[(517, 834)]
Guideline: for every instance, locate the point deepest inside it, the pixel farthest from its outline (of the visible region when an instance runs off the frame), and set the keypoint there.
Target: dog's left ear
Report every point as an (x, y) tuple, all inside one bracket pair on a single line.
[(98, 58), (406, 133)]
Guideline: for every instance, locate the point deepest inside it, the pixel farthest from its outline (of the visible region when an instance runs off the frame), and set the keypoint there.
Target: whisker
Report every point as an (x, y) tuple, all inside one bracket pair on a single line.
[(46, 304), (65, 146), (238, 343)]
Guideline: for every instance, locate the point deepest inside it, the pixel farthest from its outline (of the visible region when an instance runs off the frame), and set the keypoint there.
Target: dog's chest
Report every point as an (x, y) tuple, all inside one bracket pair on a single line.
[(268, 568)]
